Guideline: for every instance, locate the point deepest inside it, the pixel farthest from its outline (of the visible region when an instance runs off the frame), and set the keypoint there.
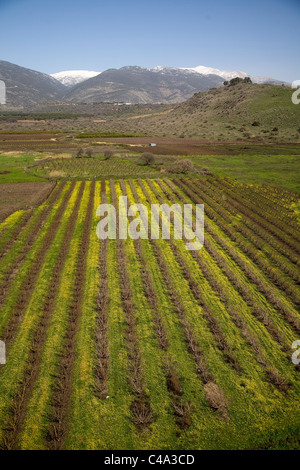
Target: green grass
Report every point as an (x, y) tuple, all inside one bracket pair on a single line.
[(278, 170), (228, 113), (9, 304), (18, 354), (15, 164), (260, 415), (101, 423), (39, 404), (224, 114), (252, 403)]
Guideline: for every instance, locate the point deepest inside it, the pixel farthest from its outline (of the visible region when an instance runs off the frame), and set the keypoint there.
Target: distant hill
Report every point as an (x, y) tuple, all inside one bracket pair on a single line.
[(26, 87), (268, 81), (141, 85), (244, 111), (228, 75)]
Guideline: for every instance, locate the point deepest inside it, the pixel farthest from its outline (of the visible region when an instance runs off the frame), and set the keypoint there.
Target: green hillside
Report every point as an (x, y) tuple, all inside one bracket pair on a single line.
[(244, 111)]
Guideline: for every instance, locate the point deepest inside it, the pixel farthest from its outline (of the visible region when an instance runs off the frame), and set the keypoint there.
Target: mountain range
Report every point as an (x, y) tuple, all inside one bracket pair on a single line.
[(140, 85), (26, 87), (130, 84)]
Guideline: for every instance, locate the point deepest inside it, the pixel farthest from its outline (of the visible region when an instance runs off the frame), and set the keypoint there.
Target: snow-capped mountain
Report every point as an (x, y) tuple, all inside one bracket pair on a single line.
[(269, 81), (70, 78), (226, 75), (167, 70), (133, 84)]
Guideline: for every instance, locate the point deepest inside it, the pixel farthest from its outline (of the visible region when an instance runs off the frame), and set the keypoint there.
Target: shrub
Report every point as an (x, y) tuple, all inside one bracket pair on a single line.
[(147, 158), (235, 81), (173, 382), (182, 166), (182, 410), (205, 171), (108, 153), (142, 413), (79, 153), (216, 398)]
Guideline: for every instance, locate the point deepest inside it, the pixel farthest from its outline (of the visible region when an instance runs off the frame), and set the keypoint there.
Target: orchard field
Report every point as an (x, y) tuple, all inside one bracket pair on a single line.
[(142, 344)]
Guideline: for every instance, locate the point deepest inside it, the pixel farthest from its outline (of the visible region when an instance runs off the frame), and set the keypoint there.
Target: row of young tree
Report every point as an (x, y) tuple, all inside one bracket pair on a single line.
[(146, 157), (178, 166), (88, 153)]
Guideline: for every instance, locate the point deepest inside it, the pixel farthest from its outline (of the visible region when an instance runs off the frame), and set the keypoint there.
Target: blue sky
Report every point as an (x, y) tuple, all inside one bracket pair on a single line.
[(260, 37)]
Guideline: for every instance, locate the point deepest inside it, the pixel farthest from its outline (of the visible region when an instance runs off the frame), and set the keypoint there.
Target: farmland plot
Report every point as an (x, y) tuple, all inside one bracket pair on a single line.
[(86, 168), (142, 344)]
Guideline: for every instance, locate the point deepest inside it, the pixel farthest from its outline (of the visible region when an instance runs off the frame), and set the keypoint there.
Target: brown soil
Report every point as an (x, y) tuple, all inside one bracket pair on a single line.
[(33, 136), (178, 146), (35, 142), (61, 142), (16, 196)]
